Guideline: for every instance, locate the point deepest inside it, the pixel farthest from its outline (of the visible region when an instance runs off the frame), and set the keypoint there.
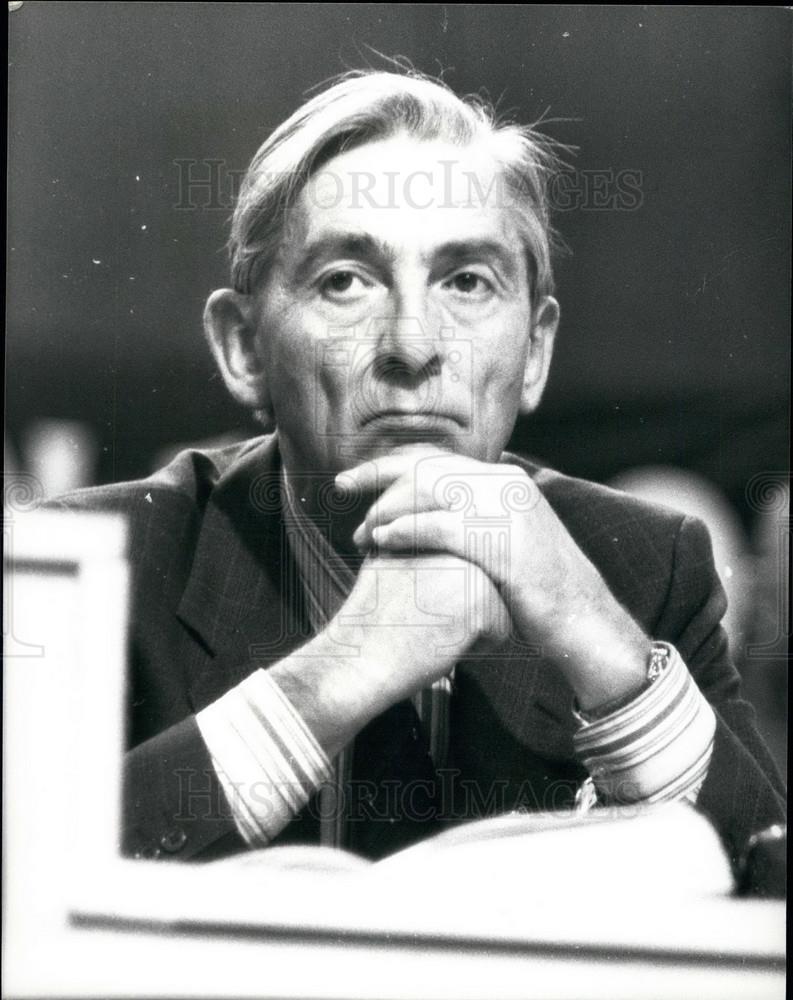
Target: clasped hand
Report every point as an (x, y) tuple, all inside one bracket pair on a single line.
[(494, 517)]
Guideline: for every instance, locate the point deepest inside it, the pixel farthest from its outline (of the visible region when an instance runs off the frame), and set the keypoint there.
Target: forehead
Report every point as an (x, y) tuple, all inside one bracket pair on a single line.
[(409, 194)]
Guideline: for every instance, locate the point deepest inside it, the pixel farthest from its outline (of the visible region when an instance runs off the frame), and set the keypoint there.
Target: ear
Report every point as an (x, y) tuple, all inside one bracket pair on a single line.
[(231, 325), (545, 320)]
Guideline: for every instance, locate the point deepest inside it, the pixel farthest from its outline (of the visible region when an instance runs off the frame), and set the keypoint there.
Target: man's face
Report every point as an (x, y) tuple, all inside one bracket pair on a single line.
[(398, 309)]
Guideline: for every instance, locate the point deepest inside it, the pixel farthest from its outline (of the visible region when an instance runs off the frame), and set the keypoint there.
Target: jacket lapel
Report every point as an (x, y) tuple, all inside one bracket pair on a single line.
[(242, 598), (245, 602)]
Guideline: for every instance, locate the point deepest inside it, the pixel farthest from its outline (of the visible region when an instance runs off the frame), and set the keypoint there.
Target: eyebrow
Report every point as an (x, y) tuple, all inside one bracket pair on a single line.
[(363, 246), (357, 245), (458, 252)]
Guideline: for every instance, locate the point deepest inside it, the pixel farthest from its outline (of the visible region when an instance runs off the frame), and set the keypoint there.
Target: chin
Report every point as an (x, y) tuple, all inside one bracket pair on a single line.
[(383, 443)]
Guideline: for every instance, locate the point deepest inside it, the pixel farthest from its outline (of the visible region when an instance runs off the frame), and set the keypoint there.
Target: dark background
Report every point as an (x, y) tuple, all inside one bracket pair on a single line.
[(674, 344), (675, 315)]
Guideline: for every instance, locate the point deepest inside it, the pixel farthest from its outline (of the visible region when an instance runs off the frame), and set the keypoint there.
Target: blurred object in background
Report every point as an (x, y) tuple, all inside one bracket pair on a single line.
[(764, 868), (755, 577), (10, 460), (61, 454), (768, 633), (21, 493), (769, 495), (172, 100), (694, 495)]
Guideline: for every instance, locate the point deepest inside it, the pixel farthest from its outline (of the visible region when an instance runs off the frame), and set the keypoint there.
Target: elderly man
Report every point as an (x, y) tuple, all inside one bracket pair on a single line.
[(372, 621)]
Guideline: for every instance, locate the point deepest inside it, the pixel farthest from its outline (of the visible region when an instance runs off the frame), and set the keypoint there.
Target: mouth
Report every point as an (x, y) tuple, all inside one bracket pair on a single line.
[(411, 420)]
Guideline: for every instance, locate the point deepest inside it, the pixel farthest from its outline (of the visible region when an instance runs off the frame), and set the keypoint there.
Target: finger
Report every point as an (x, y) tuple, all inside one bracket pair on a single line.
[(371, 476), (378, 473), (403, 497), (429, 531), (443, 531), (448, 531)]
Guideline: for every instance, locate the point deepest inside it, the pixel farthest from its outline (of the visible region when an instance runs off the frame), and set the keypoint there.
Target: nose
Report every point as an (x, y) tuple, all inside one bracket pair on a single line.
[(408, 349), (405, 356)]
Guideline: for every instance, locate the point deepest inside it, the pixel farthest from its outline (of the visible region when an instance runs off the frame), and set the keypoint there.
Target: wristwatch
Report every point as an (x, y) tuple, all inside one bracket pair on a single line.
[(658, 660)]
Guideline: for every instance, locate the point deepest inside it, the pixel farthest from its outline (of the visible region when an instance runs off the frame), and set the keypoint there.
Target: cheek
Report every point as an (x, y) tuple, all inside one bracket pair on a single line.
[(289, 343), (291, 360), (498, 394), (305, 376), (499, 363)]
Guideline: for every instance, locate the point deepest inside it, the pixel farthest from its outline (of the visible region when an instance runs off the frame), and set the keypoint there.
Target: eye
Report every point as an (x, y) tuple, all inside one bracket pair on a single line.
[(341, 285), (469, 284)]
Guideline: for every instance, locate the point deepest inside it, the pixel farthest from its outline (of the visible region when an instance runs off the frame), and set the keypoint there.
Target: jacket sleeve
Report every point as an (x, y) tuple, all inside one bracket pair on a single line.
[(174, 805), (172, 802), (743, 792)]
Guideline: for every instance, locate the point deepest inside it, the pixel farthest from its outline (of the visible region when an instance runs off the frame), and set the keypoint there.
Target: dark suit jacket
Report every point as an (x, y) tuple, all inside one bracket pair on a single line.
[(215, 596)]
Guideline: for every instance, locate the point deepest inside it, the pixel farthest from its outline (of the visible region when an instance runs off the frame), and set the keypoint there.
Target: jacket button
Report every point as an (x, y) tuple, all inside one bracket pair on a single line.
[(173, 841), (148, 853)]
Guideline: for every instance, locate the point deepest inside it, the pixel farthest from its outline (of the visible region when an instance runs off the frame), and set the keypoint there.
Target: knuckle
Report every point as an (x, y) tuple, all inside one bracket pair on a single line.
[(433, 527)]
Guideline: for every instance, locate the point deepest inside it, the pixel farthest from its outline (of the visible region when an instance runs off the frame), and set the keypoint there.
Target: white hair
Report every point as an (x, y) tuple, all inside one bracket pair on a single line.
[(367, 106)]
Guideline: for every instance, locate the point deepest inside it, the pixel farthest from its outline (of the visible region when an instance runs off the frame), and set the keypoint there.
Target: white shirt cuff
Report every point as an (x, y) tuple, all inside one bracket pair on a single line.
[(657, 747), (266, 758)]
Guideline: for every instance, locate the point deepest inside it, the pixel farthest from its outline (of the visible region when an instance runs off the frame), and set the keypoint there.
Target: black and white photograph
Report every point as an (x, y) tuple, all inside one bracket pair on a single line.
[(396, 501)]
